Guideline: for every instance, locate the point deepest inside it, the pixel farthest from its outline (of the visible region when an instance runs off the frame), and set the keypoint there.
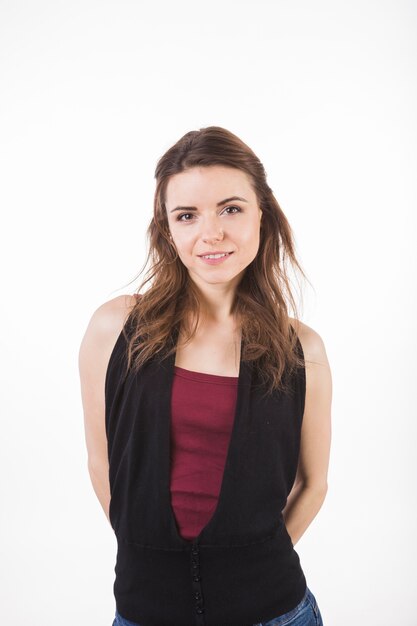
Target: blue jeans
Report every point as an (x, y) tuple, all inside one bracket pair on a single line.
[(307, 613)]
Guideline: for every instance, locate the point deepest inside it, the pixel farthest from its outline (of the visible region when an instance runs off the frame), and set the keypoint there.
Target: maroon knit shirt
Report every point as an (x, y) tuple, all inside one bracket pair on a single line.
[(202, 410)]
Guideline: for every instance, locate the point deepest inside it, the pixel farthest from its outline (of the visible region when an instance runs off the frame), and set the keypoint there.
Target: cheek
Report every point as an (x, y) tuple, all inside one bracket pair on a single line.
[(182, 240), (186, 247), (250, 236)]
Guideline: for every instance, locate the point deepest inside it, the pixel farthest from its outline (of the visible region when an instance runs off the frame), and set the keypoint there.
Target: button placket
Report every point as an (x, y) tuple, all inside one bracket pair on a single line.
[(196, 584)]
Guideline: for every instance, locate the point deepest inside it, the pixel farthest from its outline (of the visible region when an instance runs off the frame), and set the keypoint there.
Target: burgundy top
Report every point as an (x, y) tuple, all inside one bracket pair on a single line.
[(202, 409)]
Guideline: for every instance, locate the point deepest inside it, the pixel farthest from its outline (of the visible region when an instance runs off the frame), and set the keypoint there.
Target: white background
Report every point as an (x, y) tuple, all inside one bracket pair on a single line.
[(92, 93)]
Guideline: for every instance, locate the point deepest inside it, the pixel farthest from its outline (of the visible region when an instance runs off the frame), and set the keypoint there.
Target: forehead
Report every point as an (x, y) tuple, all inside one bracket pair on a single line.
[(208, 184)]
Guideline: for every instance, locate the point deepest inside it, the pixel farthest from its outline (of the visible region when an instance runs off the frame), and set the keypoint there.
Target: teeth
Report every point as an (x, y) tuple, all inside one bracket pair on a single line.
[(214, 256)]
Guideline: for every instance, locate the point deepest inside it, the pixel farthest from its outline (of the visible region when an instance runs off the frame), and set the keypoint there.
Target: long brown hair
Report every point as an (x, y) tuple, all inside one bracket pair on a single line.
[(261, 300)]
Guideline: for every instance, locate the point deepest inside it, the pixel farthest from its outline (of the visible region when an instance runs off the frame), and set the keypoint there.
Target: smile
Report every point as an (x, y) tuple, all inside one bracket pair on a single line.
[(214, 256), (214, 259)]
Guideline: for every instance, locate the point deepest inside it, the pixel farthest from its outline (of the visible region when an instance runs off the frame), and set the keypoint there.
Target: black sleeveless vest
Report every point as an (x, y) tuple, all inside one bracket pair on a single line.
[(242, 568)]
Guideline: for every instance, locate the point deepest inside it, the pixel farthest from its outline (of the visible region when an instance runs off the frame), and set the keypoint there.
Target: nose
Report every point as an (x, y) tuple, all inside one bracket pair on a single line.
[(213, 238), (212, 232)]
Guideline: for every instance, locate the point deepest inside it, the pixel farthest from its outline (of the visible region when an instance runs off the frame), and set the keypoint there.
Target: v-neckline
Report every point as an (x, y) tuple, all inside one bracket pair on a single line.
[(243, 381)]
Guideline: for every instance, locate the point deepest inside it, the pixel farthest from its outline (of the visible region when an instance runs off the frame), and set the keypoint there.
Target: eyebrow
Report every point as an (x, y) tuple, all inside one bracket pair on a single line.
[(194, 208)]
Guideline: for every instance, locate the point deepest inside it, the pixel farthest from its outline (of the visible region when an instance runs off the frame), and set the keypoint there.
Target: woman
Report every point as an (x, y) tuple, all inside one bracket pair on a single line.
[(207, 408)]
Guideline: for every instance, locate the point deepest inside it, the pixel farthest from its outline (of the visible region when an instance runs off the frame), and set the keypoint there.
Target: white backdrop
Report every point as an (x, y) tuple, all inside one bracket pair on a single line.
[(91, 95)]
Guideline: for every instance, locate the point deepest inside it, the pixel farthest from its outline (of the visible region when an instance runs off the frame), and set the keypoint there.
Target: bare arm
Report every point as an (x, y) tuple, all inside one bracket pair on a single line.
[(97, 344), (310, 486)]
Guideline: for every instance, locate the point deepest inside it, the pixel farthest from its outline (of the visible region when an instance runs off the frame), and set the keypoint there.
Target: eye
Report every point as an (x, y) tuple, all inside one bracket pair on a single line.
[(239, 210), (179, 218), (182, 215)]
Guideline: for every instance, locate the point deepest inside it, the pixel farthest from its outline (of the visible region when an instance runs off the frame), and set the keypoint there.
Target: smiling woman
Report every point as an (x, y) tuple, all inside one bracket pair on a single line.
[(212, 197), (207, 407), (214, 228)]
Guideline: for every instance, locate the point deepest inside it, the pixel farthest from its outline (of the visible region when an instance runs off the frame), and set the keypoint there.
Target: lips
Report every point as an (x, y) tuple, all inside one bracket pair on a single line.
[(217, 252)]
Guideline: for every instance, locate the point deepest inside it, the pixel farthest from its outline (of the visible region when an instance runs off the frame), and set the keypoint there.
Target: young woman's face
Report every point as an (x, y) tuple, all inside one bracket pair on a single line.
[(219, 213)]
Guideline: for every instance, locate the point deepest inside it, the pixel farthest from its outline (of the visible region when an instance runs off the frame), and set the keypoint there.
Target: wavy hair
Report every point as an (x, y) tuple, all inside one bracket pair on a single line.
[(261, 300)]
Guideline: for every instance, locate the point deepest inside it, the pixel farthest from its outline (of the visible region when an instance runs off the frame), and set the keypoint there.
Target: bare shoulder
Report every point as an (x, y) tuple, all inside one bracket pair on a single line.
[(110, 316), (103, 329), (311, 343), (100, 336), (316, 428)]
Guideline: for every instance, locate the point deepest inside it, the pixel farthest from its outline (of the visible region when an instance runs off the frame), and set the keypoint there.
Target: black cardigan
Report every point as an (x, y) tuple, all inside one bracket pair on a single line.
[(242, 568)]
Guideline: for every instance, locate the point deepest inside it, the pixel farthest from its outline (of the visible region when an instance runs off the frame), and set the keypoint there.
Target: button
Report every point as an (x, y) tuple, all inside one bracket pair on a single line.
[(197, 595), (194, 550), (196, 578), (200, 610)]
